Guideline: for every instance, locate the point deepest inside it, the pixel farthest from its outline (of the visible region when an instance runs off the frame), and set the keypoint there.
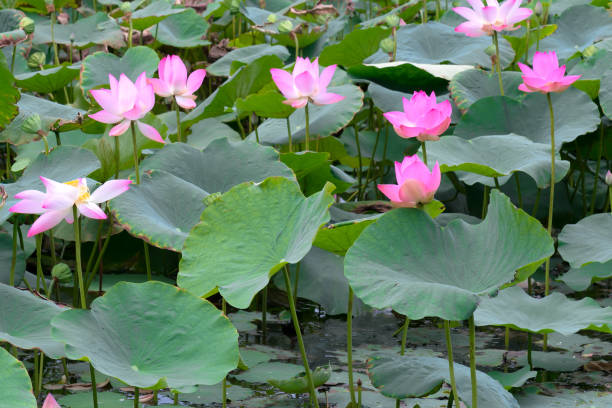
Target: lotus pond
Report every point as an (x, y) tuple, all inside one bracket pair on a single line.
[(275, 203)]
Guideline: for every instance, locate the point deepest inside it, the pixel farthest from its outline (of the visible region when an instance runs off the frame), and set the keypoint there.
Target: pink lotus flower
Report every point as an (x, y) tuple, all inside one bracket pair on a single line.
[(173, 81), (609, 178), (415, 183), (305, 84), (422, 118), (484, 20), (124, 102), (50, 402), (546, 75), (57, 202)]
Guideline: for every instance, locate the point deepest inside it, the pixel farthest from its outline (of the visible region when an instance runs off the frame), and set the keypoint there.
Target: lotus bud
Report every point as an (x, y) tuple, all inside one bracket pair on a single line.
[(272, 18), (392, 20), (285, 26), (387, 45), (27, 25), (538, 8), (125, 7), (234, 7), (62, 273), (32, 124), (609, 178), (589, 51), (37, 59)]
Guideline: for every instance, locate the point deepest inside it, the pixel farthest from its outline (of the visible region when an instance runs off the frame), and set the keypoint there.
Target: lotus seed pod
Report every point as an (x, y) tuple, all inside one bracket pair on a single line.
[(125, 7), (285, 26), (37, 59), (609, 178), (27, 25), (32, 124), (271, 18), (62, 273), (387, 45), (392, 20)]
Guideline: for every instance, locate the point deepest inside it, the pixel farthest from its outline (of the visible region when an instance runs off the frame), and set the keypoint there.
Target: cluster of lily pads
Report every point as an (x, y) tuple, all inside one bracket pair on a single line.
[(166, 164)]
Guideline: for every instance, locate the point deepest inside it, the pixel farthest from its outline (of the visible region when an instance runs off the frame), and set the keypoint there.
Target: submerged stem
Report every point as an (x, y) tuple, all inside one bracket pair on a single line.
[(451, 367), (298, 333), (497, 63)]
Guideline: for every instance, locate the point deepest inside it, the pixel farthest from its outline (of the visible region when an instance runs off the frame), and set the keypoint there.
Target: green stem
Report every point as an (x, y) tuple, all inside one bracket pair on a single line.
[(65, 367), (297, 45), (424, 150), (298, 333), (130, 32), (394, 33), (77, 250), (307, 127), (473, 362), (597, 167), (92, 272), (52, 247), (95, 6), (527, 40), (92, 255), (349, 344), (54, 44), (178, 123), (41, 366), (289, 135), (534, 211), (507, 339), (147, 260), (496, 181), (13, 58), (497, 63), (256, 125), (518, 190), (552, 187), (404, 336), (58, 139), (485, 202), (94, 390), (242, 134), (39, 271), (7, 161), (451, 367), (264, 313), (135, 152), (610, 198), (424, 20), (117, 157), (224, 385), (359, 175), (136, 397), (295, 281), (14, 257), (35, 372), (176, 398), (438, 10)]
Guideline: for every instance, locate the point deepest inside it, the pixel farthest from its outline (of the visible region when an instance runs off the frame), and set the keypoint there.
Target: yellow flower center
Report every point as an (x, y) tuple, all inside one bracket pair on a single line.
[(83, 190)]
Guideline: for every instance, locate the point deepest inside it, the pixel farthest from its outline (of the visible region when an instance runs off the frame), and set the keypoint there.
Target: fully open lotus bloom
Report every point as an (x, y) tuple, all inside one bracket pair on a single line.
[(546, 75), (56, 203), (173, 81), (483, 20), (305, 84), (125, 102), (415, 183), (422, 118), (50, 402)]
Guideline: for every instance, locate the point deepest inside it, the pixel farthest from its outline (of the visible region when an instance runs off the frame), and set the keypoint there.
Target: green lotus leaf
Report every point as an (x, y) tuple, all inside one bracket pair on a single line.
[(121, 336), (247, 80), (152, 14), (184, 30), (267, 371), (149, 210), (409, 77), (25, 321), (244, 56), (313, 170), (519, 43), (423, 269), (324, 120), (134, 62), (267, 104), (97, 29), (6, 256), (9, 95), (469, 86), (338, 238), (298, 383), (356, 46), (64, 163), (596, 79), (105, 399), (403, 377), (580, 279), (578, 27), (566, 399), (434, 43), (321, 279), (514, 379), (485, 157), (15, 385), (209, 394), (49, 112), (514, 308), (240, 270), (575, 115), (48, 80), (207, 130), (10, 29), (587, 241)]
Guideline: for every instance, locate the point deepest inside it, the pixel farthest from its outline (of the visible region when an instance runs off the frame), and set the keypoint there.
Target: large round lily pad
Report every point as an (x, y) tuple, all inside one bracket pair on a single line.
[(48, 80), (184, 30), (25, 321), (247, 235), (587, 241), (575, 115), (581, 278), (469, 86), (151, 335), (324, 120), (152, 14), (97, 29), (514, 308), (15, 385), (356, 46), (408, 377), (485, 157), (406, 261), (63, 164), (244, 56), (149, 210)]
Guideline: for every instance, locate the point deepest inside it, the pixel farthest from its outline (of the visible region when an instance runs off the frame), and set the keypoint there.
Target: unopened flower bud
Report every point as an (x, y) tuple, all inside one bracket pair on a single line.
[(387, 45), (37, 59), (609, 178), (285, 26), (62, 273), (27, 25), (392, 20)]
